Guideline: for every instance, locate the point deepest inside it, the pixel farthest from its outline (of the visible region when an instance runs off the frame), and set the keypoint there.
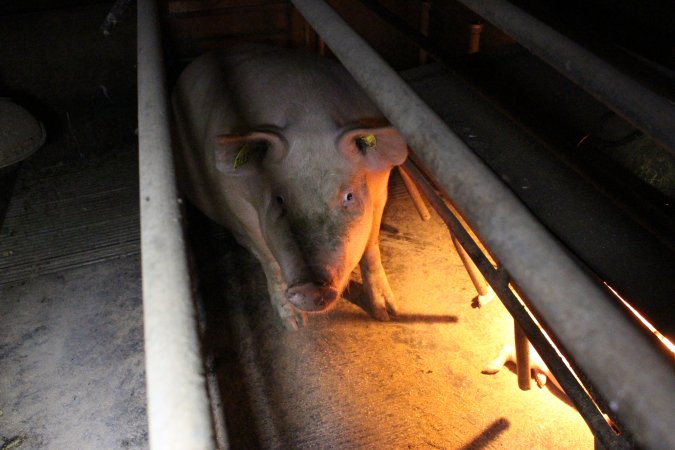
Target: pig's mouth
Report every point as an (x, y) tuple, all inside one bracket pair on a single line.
[(312, 297)]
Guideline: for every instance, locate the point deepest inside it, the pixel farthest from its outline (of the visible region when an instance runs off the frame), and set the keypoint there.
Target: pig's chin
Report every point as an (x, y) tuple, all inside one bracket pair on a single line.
[(311, 297)]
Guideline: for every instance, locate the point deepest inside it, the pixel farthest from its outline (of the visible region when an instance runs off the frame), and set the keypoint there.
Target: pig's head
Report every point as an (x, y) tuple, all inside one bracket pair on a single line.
[(318, 199)]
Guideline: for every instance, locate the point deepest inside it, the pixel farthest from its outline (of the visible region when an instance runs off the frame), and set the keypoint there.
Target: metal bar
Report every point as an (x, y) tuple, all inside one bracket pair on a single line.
[(650, 112), (610, 351), (522, 347), (476, 277), (415, 196), (499, 280), (475, 31), (178, 411), (425, 8)]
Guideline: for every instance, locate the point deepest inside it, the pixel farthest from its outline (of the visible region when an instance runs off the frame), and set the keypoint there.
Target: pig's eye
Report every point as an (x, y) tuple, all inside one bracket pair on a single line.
[(349, 197), (280, 200)]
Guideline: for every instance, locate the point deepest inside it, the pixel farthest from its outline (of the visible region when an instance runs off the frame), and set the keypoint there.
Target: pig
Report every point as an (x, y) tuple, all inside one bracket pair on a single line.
[(284, 149)]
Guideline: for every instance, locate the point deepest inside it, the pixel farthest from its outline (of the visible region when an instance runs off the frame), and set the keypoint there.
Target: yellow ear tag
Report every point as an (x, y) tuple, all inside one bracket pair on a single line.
[(242, 156), (369, 140)]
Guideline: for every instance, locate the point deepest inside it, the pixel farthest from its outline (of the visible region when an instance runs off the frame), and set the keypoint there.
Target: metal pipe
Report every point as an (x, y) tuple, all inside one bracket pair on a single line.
[(415, 196), (474, 37), (476, 277), (609, 349), (650, 112), (522, 347), (425, 8), (178, 411)]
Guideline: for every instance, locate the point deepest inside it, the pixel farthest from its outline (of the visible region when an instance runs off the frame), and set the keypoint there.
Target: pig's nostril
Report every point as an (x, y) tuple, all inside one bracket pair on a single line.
[(329, 295)]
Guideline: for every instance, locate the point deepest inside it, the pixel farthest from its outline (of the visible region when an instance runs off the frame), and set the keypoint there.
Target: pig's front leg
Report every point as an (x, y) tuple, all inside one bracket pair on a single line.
[(375, 282), (290, 317), (276, 287)]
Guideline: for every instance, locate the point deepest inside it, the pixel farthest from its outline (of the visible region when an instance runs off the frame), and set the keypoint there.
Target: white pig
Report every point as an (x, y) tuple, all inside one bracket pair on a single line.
[(284, 149)]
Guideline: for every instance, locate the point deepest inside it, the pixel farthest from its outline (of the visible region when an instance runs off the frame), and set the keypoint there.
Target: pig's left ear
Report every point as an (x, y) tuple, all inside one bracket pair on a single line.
[(382, 148), (239, 154)]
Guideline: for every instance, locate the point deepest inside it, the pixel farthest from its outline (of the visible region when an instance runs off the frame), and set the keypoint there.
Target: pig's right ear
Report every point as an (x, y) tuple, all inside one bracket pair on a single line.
[(240, 154)]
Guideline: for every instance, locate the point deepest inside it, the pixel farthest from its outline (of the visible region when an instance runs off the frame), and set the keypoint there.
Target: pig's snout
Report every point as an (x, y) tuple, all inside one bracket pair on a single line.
[(311, 297)]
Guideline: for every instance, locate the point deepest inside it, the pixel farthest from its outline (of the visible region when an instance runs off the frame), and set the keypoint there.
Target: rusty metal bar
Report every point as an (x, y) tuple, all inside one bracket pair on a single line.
[(572, 306), (475, 31), (178, 407), (522, 346)]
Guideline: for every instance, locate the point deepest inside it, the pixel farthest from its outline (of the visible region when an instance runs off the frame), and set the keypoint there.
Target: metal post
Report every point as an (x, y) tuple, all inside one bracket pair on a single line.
[(178, 409), (425, 8), (522, 346), (608, 348), (474, 37), (415, 196), (476, 278)]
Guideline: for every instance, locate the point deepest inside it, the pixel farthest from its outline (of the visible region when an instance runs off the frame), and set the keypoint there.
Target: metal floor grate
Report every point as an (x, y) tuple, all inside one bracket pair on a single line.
[(71, 215)]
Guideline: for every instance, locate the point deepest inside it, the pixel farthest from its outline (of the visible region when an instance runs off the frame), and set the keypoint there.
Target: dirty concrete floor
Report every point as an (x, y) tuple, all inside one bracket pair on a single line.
[(348, 381), (72, 360)]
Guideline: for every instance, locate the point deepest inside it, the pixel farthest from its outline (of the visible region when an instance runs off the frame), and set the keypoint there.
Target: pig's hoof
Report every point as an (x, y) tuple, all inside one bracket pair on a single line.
[(382, 302), (385, 311), (291, 318)]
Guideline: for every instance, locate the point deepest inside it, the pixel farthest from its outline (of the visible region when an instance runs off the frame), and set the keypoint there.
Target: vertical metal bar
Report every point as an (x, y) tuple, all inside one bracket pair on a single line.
[(474, 37), (415, 196), (178, 411), (522, 346), (606, 345), (476, 277), (425, 8)]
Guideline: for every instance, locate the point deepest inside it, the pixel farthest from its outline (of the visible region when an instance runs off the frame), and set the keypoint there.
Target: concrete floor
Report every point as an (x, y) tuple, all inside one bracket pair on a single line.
[(72, 360)]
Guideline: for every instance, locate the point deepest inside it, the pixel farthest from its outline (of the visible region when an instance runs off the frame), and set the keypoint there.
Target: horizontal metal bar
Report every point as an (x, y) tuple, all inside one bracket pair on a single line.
[(647, 110), (610, 351), (178, 411)]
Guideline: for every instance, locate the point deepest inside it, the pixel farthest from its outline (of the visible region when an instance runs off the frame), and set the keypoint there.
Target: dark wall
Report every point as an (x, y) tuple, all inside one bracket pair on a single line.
[(56, 63), (58, 57)]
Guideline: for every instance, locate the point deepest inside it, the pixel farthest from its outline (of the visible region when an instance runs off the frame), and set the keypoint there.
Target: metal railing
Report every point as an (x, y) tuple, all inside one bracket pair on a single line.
[(178, 407)]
